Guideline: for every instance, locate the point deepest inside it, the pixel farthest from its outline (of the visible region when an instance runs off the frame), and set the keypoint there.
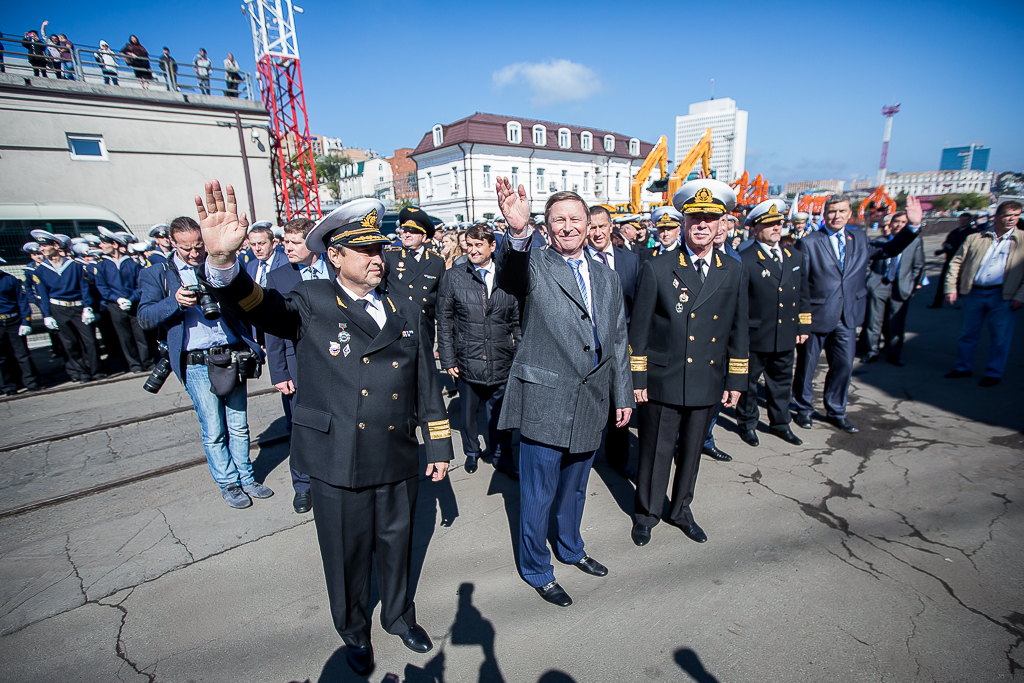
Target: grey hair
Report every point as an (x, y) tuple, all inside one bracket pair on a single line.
[(837, 199)]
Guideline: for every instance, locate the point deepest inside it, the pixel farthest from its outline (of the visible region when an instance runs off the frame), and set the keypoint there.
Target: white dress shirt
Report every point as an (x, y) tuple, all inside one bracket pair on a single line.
[(707, 260), (487, 275), (371, 302), (768, 251), (609, 252), (264, 269), (993, 264)]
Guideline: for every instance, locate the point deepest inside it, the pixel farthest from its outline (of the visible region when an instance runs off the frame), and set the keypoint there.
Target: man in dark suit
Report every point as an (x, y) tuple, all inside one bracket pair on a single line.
[(413, 270), (688, 333), (572, 360), (268, 256), (627, 266), (779, 317), (838, 260), (890, 284), (299, 265), (367, 379)]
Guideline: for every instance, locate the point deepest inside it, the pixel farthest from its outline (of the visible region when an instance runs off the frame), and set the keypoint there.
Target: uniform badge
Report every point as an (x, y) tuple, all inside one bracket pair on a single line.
[(430, 277), (684, 296), (347, 350), (679, 307), (401, 264), (675, 284), (406, 333), (764, 273), (343, 337), (399, 276), (334, 348)]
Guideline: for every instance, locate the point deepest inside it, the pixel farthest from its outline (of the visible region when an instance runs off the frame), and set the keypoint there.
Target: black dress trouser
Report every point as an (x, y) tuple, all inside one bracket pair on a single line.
[(79, 341), (667, 433), (14, 349), (133, 340), (778, 389), (354, 526), (616, 442)]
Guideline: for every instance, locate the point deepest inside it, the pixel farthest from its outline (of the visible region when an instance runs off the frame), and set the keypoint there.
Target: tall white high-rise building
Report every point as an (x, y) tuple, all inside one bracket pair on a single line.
[(728, 126)]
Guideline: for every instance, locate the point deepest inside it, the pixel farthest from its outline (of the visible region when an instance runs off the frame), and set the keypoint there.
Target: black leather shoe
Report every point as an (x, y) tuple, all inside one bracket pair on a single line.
[(788, 436), (360, 659), (554, 594), (803, 421), (844, 424), (721, 456), (896, 361), (749, 437), (625, 471), (589, 565), (303, 503), (471, 463), (641, 534), (957, 374), (505, 466), (695, 533), (988, 381), (417, 640)]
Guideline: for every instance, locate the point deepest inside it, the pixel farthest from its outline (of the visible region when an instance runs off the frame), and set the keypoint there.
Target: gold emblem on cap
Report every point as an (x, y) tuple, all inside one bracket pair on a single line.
[(703, 196), (773, 210), (370, 220)]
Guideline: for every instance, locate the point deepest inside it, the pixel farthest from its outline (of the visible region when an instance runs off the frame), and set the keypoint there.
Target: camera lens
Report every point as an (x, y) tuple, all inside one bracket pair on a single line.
[(156, 379)]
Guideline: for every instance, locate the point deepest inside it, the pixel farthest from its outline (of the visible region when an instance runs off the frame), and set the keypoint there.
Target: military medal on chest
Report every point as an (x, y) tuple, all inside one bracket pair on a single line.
[(684, 296), (343, 336), (334, 348), (679, 308)]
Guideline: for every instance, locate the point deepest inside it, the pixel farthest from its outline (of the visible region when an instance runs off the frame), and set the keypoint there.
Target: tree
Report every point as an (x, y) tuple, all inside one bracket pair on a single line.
[(328, 172), (901, 201)]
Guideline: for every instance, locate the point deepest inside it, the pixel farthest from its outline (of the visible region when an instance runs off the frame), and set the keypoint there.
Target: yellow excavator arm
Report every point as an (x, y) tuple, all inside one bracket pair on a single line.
[(658, 157), (701, 151)]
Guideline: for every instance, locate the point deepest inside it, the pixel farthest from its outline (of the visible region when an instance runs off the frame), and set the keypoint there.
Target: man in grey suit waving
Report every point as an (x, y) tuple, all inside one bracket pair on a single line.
[(572, 362)]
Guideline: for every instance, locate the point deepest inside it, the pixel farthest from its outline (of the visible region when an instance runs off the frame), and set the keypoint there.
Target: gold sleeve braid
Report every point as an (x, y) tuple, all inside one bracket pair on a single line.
[(739, 366), (805, 318), (638, 363), (441, 429)]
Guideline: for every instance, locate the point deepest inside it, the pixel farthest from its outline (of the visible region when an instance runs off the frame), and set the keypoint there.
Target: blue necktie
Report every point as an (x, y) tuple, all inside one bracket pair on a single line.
[(841, 243), (575, 263), (482, 272)]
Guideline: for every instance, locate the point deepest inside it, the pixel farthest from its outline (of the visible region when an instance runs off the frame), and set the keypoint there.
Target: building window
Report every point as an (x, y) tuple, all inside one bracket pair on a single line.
[(617, 174), (487, 176), (514, 132), (586, 180), (540, 136), (430, 185), (609, 143), (515, 177), (438, 135), (586, 141), (565, 180), (540, 180), (564, 138), (634, 147), (85, 147), (455, 179)]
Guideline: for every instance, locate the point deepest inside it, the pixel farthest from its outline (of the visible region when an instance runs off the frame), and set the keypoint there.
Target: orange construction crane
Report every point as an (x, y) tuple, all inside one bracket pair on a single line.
[(877, 201), (750, 193), (700, 152), (657, 157)]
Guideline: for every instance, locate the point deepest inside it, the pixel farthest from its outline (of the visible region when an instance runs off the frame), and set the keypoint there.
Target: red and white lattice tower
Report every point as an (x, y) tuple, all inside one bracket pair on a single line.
[(888, 113), (291, 152)]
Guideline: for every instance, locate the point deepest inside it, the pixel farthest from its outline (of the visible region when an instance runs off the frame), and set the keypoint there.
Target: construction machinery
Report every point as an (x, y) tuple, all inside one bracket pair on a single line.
[(750, 193), (659, 157)]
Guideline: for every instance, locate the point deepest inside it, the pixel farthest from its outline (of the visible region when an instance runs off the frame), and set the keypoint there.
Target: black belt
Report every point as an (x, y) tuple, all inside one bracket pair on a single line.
[(986, 287), (198, 357), (9, 316)]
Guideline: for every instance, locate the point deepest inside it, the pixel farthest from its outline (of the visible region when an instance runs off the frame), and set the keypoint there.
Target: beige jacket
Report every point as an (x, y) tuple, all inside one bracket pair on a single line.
[(968, 260)]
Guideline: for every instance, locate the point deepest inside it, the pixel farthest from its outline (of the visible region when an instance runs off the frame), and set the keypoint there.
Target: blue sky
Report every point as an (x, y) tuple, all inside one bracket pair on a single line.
[(813, 76)]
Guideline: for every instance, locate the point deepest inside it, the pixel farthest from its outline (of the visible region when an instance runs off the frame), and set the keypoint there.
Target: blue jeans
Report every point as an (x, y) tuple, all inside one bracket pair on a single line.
[(978, 306), (547, 476), (224, 426)]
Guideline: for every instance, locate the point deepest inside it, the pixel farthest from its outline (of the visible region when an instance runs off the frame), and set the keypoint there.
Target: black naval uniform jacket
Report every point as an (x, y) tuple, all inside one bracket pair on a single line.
[(779, 298), (685, 334), (415, 280), (361, 390)]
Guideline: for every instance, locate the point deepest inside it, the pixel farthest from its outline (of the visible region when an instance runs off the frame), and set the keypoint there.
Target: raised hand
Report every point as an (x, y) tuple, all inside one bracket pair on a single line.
[(223, 229), (515, 207), (914, 211)]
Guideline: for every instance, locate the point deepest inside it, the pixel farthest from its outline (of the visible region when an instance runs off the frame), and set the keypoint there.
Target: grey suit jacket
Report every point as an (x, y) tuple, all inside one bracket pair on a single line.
[(555, 394)]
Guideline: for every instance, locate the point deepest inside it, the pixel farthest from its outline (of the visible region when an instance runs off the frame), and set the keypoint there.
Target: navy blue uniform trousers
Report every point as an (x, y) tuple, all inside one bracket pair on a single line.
[(550, 476)]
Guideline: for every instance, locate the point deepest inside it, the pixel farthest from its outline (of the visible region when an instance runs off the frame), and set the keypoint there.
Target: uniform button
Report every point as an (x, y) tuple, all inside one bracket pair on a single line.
[(693, 315), (424, 288), (586, 348), (780, 289), (391, 428), (410, 286), (794, 303), (394, 364), (394, 397), (366, 360), (424, 300), (780, 320), (691, 337), (781, 305), (712, 339), (689, 360), (712, 362), (714, 317), (584, 380), (362, 425), (365, 392)]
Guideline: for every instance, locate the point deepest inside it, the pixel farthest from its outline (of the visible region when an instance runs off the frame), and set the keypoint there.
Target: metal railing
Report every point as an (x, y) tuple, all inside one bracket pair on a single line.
[(86, 65)]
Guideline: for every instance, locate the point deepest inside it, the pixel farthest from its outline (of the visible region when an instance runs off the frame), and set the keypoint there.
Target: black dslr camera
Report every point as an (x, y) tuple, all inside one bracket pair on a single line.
[(207, 304), (155, 381)]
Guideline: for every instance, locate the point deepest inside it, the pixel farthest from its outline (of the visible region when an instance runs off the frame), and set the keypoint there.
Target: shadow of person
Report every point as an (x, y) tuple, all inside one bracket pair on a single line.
[(689, 662), (623, 491), (272, 455), (509, 490), (470, 628), (337, 670), (433, 672), (433, 496), (556, 677)]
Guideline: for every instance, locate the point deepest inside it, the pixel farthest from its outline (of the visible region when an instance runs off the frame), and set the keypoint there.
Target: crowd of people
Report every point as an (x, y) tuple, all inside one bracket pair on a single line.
[(55, 53), (564, 327)]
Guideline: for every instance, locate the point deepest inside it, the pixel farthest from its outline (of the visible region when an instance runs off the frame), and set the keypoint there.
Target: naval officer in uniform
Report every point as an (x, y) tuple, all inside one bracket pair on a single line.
[(367, 379), (688, 333), (669, 222), (414, 270), (780, 318)]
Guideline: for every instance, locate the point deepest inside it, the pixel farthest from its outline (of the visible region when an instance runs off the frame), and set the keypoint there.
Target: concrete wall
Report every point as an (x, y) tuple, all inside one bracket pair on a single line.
[(162, 146)]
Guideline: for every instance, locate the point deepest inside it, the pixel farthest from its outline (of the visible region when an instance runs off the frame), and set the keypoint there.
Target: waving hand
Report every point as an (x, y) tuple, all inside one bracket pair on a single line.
[(223, 229)]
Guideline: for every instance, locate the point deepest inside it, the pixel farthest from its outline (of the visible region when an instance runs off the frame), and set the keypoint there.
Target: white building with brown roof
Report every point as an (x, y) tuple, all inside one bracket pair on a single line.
[(457, 164)]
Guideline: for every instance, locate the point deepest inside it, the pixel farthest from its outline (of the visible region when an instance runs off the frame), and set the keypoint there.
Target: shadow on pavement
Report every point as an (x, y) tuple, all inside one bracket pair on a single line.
[(689, 662)]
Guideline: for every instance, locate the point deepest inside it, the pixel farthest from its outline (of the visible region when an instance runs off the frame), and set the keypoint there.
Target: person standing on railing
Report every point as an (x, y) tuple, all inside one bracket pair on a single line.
[(169, 67), (232, 74), (202, 65), (108, 63), (137, 57)]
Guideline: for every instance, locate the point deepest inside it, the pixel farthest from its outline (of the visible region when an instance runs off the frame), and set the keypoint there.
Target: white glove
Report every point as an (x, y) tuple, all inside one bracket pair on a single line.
[(124, 304), (51, 323), (25, 330), (88, 317)]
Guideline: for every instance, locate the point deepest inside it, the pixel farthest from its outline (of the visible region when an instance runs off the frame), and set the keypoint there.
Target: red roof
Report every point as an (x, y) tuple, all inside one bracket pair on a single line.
[(490, 129)]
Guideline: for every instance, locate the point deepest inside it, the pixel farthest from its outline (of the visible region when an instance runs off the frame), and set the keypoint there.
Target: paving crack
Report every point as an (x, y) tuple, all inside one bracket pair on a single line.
[(180, 542)]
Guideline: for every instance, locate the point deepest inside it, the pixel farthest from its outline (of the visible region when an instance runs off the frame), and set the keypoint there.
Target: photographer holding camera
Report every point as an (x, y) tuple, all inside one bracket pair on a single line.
[(212, 355)]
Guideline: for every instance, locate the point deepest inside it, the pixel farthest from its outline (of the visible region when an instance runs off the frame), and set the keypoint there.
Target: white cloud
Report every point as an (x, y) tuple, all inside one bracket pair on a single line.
[(554, 82)]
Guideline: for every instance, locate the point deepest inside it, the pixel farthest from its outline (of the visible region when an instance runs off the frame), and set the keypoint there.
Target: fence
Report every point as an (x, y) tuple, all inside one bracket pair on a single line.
[(86, 66)]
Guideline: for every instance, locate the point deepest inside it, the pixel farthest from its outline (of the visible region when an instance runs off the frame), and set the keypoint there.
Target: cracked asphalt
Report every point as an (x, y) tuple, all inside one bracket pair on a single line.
[(889, 555)]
